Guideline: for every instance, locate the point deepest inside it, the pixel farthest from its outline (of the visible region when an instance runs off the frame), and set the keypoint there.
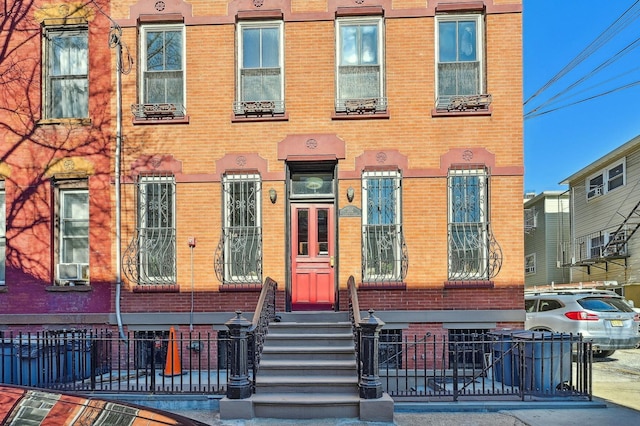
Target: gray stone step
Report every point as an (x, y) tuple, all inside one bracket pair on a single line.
[(308, 352), (298, 368), (307, 384), (308, 368), (314, 316), (307, 405)]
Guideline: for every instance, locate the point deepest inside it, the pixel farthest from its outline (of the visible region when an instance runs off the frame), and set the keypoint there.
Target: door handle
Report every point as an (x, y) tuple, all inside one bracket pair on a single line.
[(332, 261)]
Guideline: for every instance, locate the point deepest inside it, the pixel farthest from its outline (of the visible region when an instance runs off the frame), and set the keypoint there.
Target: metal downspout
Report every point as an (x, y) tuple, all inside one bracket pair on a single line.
[(117, 184)]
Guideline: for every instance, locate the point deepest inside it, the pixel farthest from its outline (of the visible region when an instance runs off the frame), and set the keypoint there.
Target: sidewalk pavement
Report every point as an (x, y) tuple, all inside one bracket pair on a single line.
[(538, 413)]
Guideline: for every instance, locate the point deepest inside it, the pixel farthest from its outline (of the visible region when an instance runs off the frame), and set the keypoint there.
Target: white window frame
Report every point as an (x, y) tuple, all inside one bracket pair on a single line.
[(63, 261), (481, 223), (79, 107), (478, 18), (530, 264), (242, 99), (341, 98), (369, 273), (144, 29), (145, 181), (594, 191), (231, 244), (623, 175)]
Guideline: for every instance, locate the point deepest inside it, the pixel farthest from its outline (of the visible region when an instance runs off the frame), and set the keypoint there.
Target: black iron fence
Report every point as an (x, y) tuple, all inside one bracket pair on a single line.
[(496, 365), (100, 361), (493, 365)]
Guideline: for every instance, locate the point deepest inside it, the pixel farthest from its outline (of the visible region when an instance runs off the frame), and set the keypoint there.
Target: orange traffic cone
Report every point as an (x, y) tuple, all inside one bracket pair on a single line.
[(172, 366)]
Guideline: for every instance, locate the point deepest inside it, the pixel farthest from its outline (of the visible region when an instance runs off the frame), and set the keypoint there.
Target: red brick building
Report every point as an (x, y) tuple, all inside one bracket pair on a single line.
[(55, 165), (302, 140)]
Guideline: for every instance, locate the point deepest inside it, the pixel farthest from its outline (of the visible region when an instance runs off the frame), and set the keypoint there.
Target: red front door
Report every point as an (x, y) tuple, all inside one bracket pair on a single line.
[(312, 257)]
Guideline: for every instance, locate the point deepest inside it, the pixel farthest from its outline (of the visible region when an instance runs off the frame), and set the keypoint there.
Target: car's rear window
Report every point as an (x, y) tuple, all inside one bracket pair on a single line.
[(604, 304)]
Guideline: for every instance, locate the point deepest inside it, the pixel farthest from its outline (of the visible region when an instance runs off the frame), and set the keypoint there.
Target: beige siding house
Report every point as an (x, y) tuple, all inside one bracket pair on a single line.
[(604, 245)]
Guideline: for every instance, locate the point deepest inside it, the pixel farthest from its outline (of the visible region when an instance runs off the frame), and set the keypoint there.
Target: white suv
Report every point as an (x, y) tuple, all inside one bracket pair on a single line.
[(601, 316)]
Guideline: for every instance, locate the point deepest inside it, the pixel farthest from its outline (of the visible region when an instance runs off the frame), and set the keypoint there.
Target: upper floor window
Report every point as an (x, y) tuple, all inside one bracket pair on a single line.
[(459, 57), (66, 68), (239, 257), (606, 180), (72, 232), (468, 230), (360, 65), (383, 254), (260, 69), (163, 68)]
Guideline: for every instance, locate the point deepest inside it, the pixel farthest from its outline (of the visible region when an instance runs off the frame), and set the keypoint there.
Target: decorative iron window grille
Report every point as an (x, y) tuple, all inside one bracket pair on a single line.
[(530, 220), (467, 348), (390, 349), (158, 111), (258, 108), (384, 252), (151, 255), (474, 254), (238, 258), (361, 106)]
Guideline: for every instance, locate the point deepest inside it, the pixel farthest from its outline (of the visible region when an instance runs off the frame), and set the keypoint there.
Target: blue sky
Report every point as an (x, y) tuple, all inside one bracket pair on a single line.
[(556, 32)]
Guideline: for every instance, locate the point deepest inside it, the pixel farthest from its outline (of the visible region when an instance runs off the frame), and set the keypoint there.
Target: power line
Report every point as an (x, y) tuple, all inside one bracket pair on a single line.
[(618, 25), (627, 86)]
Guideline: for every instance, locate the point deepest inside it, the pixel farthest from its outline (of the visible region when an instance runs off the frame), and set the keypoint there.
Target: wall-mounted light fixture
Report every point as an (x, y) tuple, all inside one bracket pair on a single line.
[(350, 194), (273, 195)]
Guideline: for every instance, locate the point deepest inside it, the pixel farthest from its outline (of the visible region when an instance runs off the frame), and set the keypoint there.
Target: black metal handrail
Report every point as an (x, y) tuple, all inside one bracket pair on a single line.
[(265, 313), (354, 317)]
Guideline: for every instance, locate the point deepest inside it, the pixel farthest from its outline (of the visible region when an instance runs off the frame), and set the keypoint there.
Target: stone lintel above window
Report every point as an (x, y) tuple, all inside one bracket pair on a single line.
[(259, 14), (472, 6), (157, 19), (360, 11)]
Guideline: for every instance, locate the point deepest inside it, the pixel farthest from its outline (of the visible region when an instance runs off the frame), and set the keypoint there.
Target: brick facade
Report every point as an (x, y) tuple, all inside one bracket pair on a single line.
[(198, 150)]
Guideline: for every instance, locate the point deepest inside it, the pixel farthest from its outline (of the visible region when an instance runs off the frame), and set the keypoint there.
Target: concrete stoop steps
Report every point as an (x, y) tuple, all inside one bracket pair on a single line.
[(308, 370)]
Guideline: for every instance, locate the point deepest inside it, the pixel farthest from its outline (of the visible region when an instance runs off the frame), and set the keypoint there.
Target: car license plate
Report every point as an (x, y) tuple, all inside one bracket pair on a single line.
[(616, 323)]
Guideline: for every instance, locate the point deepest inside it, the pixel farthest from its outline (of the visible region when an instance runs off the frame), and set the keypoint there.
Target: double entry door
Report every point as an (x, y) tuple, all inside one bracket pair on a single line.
[(312, 256)]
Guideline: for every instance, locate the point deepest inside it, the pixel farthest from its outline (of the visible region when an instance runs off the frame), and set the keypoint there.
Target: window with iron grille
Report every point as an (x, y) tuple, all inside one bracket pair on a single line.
[(242, 232), (260, 68), (382, 239), (360, 65), (390, 349), (467, 348), (459, 56), (163, 65), (468, 230), (66, 73), (156, 230)]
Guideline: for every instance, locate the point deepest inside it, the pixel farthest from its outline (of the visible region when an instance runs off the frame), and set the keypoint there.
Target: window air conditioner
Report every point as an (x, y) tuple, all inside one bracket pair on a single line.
[(597, 191), (73, 272)]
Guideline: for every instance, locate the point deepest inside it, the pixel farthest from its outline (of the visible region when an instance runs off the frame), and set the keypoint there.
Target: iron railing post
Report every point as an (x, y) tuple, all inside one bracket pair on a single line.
[(370, 384), (238, 385)]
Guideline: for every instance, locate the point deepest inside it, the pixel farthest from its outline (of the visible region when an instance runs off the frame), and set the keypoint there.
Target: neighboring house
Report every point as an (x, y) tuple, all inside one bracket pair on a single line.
[(604, 245), (55, 165), (306, 141), (546, 224)]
